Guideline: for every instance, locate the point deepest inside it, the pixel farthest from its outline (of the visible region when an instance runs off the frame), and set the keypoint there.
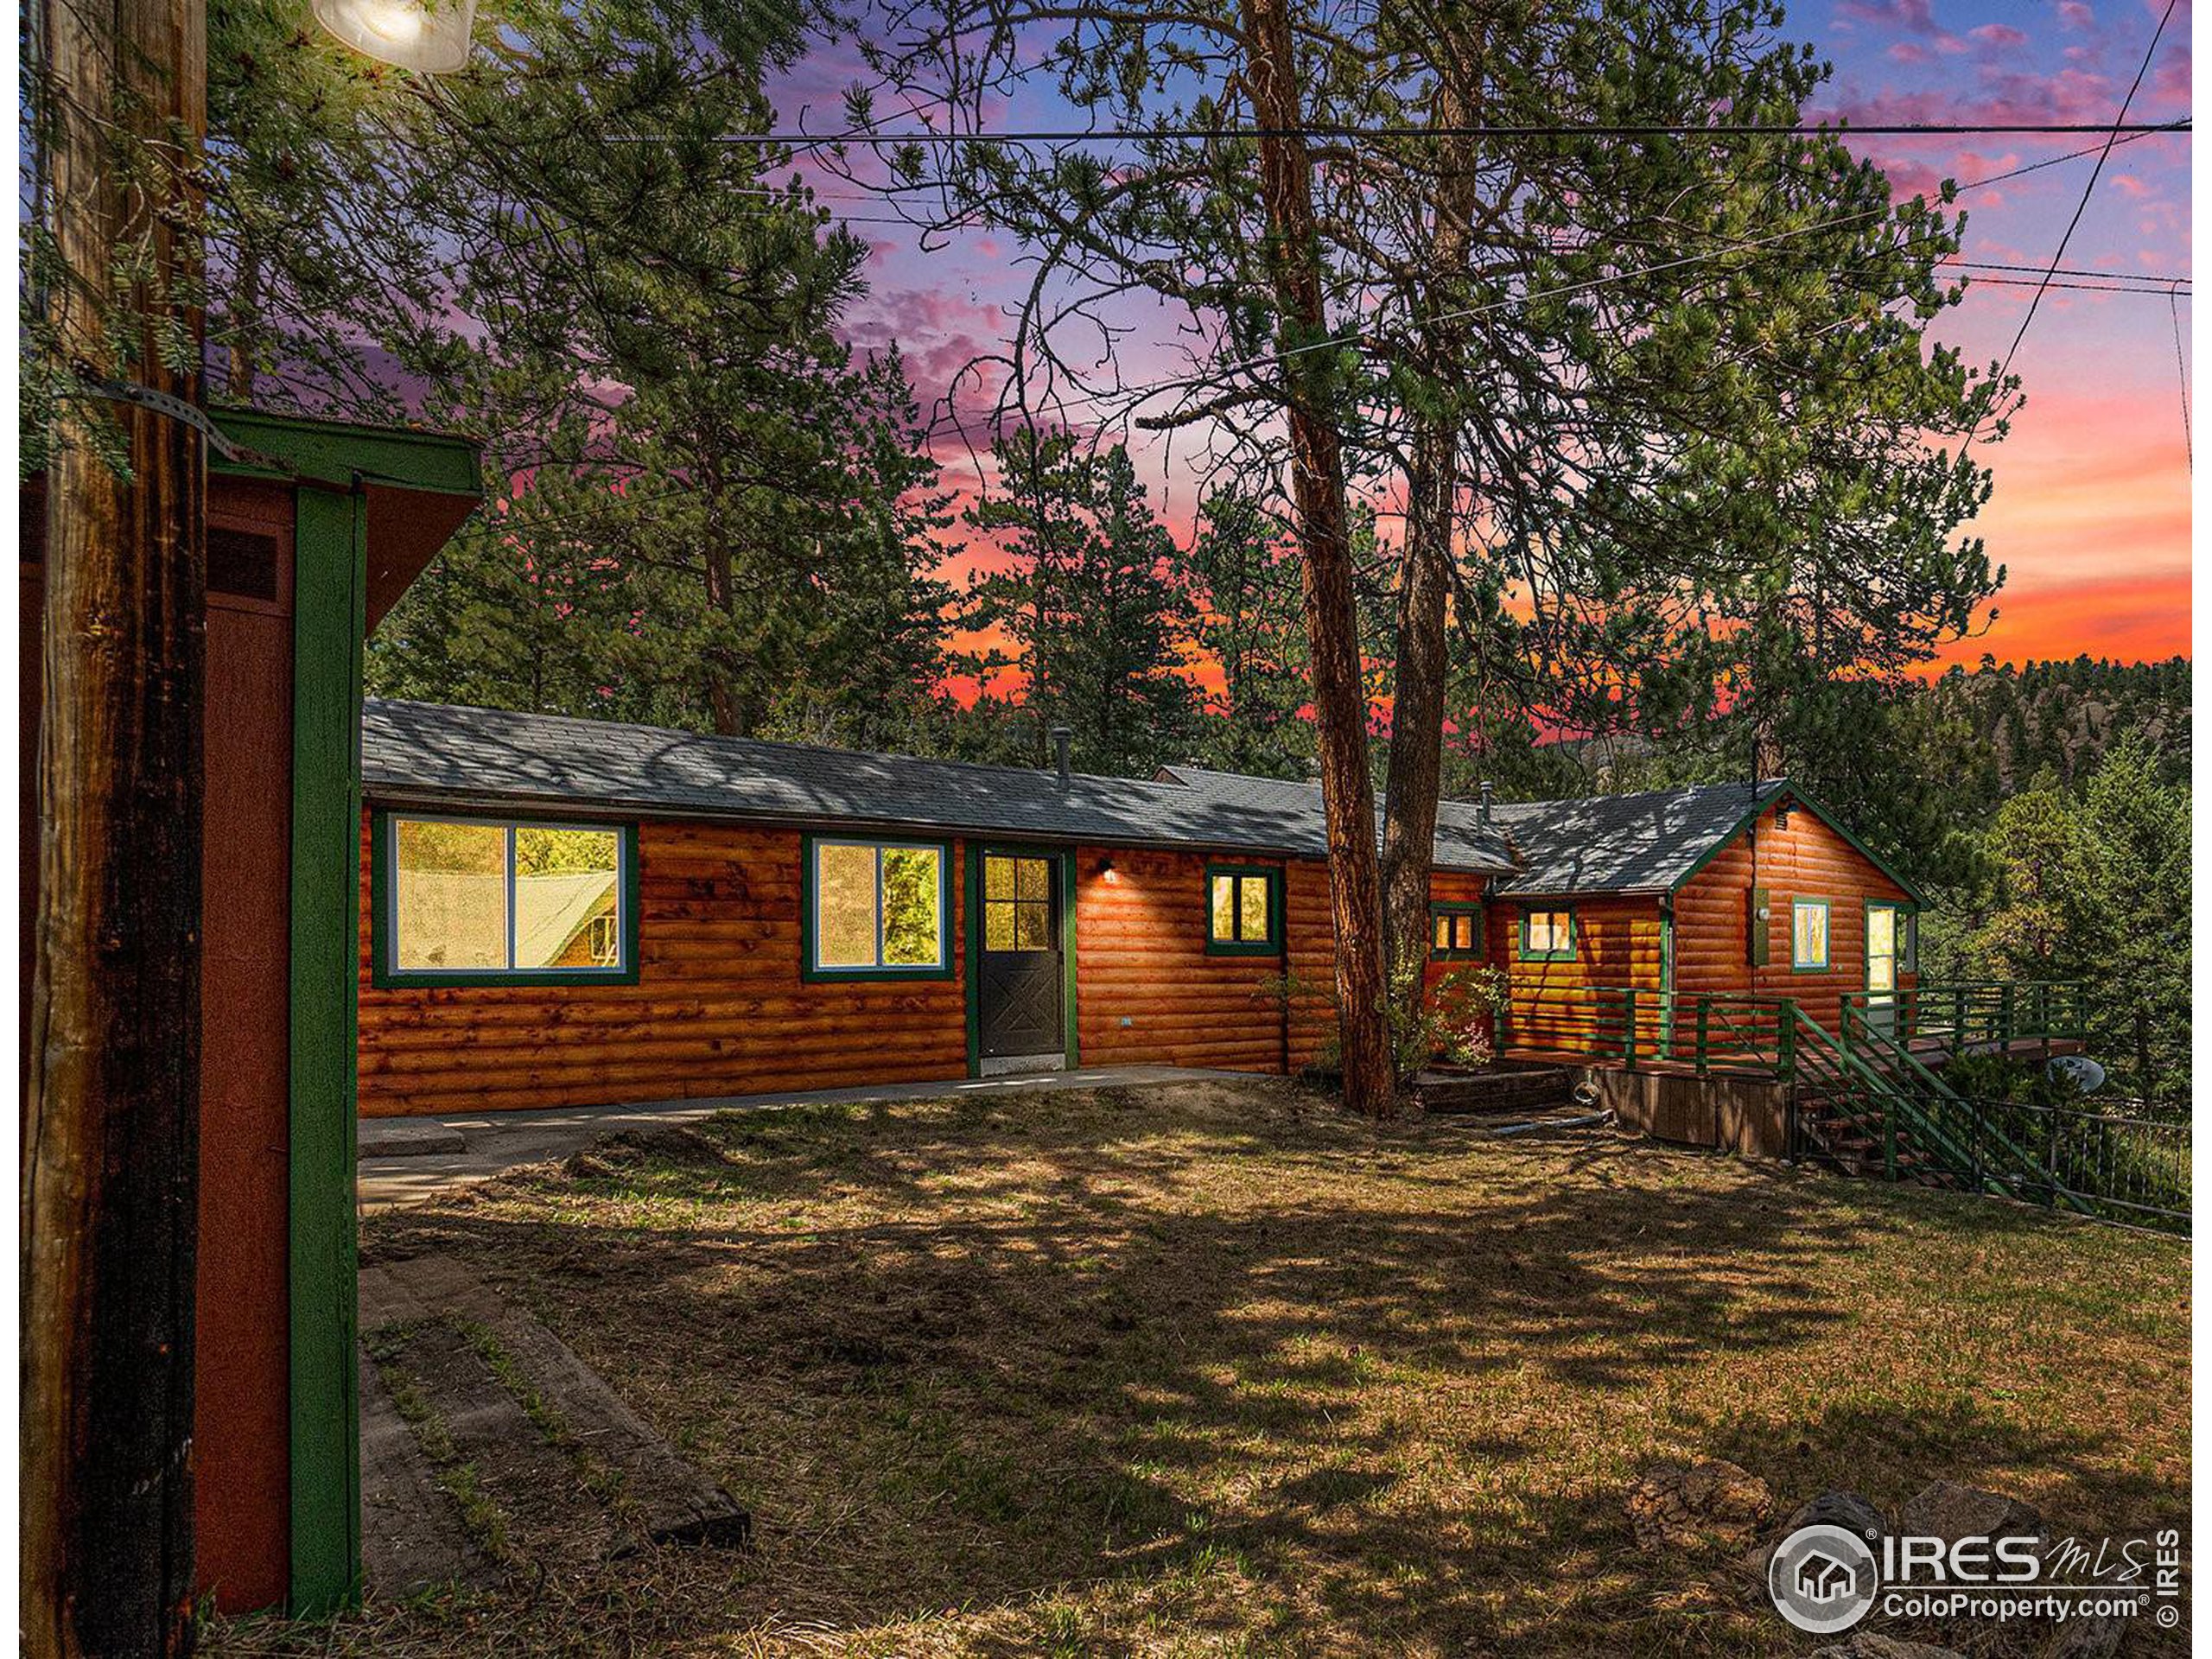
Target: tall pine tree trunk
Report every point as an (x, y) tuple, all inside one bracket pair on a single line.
[(1417, 709), (112, 1088), (1417, 706), (1316, 397)]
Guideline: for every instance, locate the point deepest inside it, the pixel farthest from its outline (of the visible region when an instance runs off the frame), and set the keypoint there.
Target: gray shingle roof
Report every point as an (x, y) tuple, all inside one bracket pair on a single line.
[(1622, 843), (1462, 841), (419, 752), (435, 753)]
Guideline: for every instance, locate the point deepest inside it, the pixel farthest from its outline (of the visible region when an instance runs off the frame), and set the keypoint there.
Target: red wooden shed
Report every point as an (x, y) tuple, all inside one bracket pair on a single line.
[(315, 528)]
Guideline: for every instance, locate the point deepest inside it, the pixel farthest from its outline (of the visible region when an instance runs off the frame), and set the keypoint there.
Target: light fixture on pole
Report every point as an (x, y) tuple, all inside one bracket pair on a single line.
[(431, 36)]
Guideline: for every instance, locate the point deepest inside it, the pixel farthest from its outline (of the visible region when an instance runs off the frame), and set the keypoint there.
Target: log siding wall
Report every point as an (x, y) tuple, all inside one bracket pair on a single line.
[(1617, 944), (719, 1007), (1809, 860)]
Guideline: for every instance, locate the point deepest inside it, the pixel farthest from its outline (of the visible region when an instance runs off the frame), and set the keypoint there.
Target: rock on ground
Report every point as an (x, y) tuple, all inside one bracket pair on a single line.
[(1833, 1507), (1866, 1644), (1674, 1507), (1950, 1511)]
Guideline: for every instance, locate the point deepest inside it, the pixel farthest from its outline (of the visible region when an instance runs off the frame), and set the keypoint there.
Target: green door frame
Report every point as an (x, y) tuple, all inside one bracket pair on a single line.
[(972, 910), (329, 466), (330, 584)]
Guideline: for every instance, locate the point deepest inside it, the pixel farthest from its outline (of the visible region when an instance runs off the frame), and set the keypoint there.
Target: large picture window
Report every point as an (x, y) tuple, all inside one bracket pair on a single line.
[(479, 900), (877, 909), (1808, 935), (1244, 910)]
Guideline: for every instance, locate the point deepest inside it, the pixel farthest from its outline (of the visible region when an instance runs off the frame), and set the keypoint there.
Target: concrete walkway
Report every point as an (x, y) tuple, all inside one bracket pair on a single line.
[(407, 1159)]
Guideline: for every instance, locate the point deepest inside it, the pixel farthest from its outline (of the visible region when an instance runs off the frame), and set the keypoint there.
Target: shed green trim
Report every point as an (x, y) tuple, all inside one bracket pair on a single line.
[(329, 600), (336, 453)]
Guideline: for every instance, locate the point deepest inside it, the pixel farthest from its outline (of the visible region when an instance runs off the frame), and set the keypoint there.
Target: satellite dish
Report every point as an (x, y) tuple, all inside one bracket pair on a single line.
[(2084, 1074)]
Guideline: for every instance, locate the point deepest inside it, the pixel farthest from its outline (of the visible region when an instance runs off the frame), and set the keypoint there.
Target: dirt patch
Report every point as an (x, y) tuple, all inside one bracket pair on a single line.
[(630, 1149)]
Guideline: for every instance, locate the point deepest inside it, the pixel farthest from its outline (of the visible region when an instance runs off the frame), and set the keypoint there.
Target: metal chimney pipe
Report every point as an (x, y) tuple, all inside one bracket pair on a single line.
[(1063, 736), (1482, 813)]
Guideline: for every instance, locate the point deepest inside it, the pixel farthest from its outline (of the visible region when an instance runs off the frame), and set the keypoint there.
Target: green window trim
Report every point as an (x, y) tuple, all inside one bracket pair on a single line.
[(385, 974), (1564, 953), (1474, 952), (1240, 946), (1827, 939), (812, 973)]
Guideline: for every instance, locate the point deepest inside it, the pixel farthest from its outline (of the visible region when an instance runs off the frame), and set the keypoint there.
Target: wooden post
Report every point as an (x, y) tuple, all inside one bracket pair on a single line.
[(1317, 469), (111, 1061), (1628, 1021), (1704, 1024), (1785, 1056)]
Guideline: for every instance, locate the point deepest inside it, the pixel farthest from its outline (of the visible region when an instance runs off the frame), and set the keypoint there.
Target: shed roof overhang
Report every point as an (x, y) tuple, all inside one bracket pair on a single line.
[(420, 486)]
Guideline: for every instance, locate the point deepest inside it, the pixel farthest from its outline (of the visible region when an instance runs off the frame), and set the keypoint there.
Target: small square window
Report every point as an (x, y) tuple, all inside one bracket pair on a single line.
[(1244, 911), (1547, 936), (1456, 931)]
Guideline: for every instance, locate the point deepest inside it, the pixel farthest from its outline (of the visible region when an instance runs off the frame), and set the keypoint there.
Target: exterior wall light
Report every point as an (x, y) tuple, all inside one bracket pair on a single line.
[(1106, 869), (430, 36)]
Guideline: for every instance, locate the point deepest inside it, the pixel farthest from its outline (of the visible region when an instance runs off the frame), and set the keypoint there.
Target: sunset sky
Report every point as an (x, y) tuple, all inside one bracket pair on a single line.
[(2091, 509)]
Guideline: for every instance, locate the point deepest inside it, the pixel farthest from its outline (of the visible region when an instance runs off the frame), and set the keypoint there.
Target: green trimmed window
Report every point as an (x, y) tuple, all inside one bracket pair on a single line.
[(464, 901), (1547, 935), (1244, 910), (877, 909), (1455, 933), (1808, 935)]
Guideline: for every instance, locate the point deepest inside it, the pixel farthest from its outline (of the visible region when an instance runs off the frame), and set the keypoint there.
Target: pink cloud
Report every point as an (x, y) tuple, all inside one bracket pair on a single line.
[(1908, 52), (2128, 184), (2073, 14), (1999, 36)]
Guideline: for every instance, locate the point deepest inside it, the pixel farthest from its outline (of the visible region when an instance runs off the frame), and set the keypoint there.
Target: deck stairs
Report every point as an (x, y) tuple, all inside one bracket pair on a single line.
[(1873, 1106)]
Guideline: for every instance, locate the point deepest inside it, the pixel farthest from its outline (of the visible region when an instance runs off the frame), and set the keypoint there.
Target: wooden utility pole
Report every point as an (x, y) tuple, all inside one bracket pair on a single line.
[(111, 1171), (1315, 401)]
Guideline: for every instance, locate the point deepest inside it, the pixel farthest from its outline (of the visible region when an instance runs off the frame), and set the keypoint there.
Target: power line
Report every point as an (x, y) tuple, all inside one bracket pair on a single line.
[(2160, 280), (2089, 190), (2083, 288), (2181, 367), (803, 140), (1355, 336)]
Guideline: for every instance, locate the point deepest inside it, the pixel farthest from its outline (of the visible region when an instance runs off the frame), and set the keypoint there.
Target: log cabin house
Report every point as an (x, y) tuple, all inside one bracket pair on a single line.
[(569, 912)]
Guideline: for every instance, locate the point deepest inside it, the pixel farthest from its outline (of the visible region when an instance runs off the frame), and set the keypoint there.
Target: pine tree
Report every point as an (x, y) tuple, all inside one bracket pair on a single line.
[(1094, 622)]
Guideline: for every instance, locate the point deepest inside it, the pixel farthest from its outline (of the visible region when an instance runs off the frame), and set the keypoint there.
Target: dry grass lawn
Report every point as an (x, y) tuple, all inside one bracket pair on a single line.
[(1214, 1369)]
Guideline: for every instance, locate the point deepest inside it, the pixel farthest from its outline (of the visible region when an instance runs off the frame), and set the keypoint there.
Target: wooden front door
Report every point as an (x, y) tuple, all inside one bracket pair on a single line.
[(1019, 964)]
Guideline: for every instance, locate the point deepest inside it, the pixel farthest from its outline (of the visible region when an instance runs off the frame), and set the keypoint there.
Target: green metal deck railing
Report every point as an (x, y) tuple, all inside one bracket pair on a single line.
[(1865, 1096), (1962, 1015)]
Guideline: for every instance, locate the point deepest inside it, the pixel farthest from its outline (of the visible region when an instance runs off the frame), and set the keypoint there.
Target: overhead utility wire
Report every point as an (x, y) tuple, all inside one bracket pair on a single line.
[(2089, 190), (1358, 334), (802, 139)]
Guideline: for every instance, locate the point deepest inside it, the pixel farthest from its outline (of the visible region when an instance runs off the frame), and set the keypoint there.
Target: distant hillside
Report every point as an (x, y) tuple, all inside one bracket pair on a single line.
[(2063, 716)]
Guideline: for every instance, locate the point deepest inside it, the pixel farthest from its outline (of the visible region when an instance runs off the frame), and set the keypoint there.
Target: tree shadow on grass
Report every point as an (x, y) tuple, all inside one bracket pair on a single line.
[(1091, 1372)]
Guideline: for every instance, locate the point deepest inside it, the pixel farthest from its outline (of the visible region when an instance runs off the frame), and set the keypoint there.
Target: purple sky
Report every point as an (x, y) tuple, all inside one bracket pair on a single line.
[(2091, 510)]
